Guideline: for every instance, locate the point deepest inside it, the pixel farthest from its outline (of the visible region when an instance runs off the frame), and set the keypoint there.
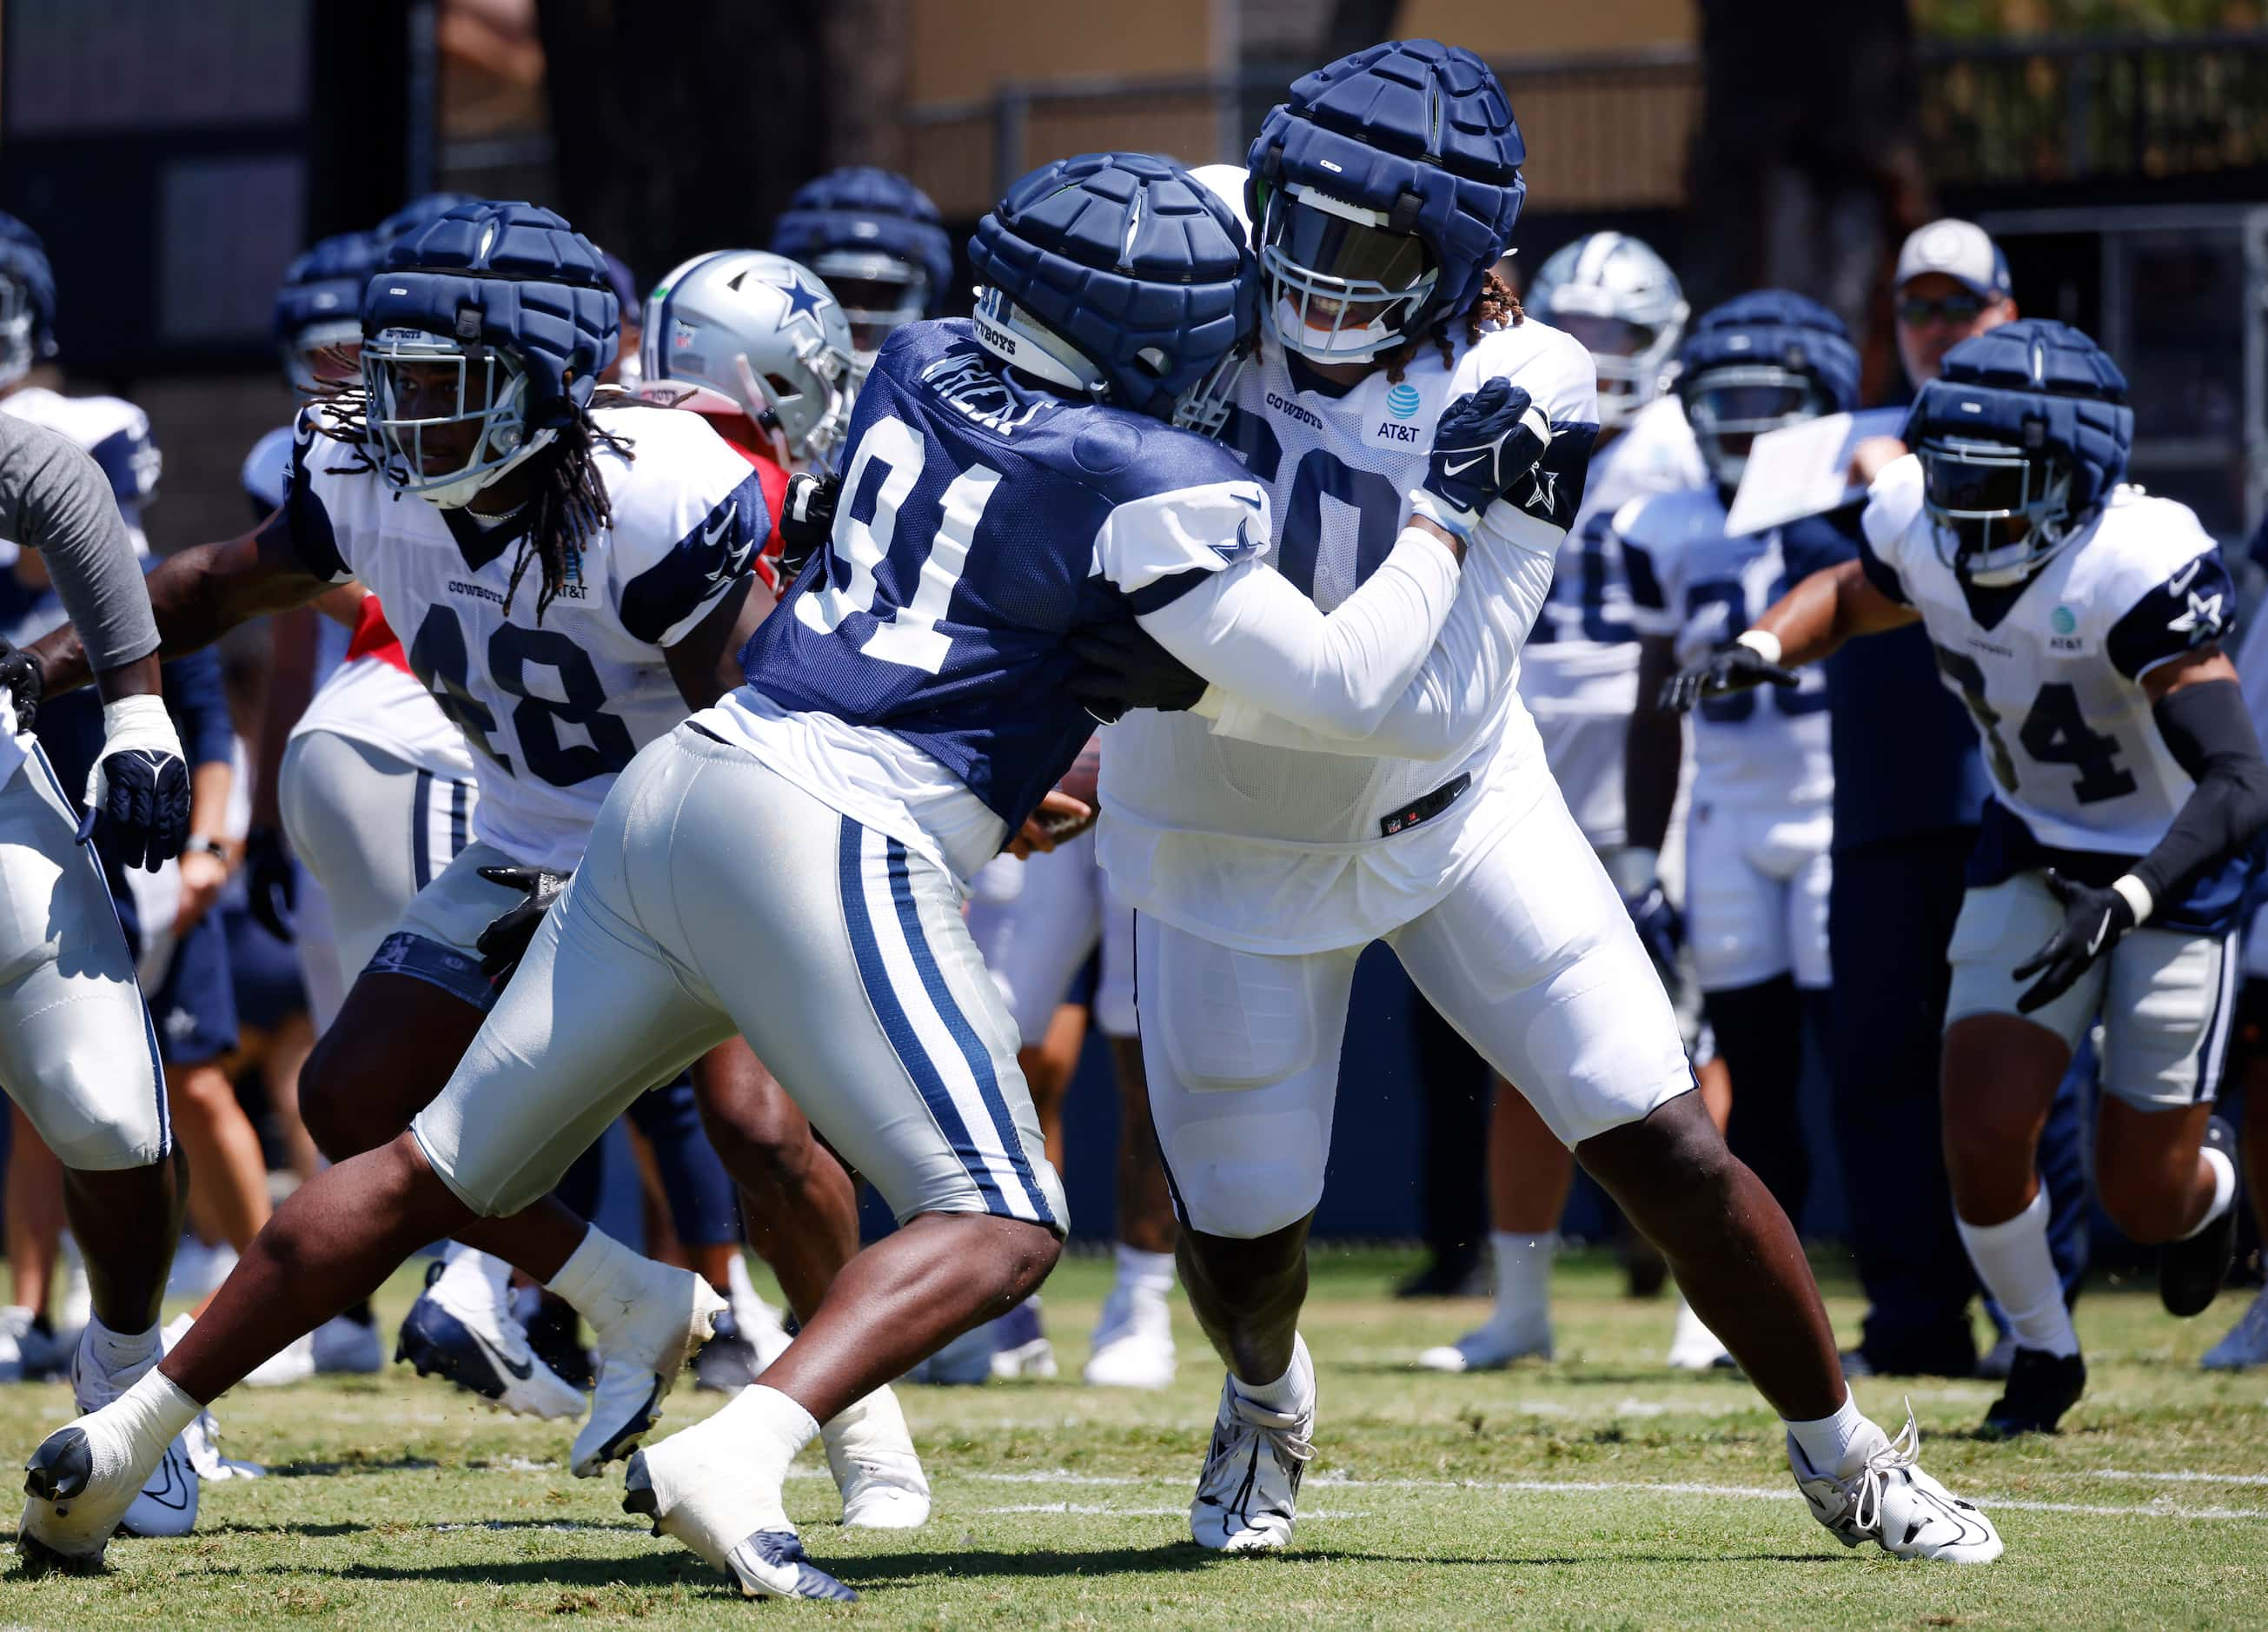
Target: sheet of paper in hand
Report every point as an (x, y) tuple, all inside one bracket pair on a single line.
[(15, 747), (1804, 470)]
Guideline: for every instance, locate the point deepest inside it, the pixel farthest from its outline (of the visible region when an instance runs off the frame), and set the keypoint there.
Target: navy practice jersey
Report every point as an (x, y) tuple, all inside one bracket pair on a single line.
[(980, 522)]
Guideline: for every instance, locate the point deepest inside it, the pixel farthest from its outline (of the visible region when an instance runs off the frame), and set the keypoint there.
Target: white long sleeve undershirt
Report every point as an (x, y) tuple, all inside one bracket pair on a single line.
[(1342, 674)]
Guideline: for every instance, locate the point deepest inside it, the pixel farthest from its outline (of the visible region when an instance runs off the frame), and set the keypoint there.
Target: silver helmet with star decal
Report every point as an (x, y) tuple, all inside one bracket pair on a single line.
[(744, 331)]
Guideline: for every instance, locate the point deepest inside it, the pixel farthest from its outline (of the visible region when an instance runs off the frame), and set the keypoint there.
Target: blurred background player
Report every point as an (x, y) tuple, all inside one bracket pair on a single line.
[(1759, 826), (876, 240), (1578, 678), (2080, 621), (1909, 786)]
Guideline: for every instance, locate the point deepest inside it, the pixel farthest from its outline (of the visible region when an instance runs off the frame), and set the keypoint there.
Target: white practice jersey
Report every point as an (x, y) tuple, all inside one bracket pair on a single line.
[(552, 710), (1761, 748), (1269, 846), (2051, 670), (267, 471), (373, 697), (114, 432)]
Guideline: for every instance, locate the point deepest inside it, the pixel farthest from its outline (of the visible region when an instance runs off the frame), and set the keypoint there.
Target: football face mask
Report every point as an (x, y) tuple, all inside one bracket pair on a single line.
[(448, 418), (1730, 407), (2001, 512), (1337, 285)]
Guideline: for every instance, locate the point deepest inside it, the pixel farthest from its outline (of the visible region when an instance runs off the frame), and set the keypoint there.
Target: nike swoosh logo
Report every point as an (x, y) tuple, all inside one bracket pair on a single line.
[(712, 534), (1453, 470), (2179, 583), (521, 1368), (166, 1487), (2102, 930)]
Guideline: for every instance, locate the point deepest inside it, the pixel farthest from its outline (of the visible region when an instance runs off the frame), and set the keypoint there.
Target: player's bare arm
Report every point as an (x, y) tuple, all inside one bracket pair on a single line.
[(706, 664), (197, 596)]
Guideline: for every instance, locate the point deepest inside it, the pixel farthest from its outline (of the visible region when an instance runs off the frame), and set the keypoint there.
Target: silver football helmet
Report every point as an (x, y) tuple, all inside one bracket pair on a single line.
[(1614, 294), (744, 331)]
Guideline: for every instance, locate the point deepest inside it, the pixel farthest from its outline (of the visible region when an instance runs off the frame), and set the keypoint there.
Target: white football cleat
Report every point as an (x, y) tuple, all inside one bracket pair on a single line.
[(462, 1328), (2246, 1345), (1887, 1499), (83, 1483), (642, 1346), (699, 1487), (1249, 1488), (346, 1347), (294, 1363), (1693, 1347), (202, 1440), (1490, 1348), (871, 1452), (755, 1320), (1133, 1341), (1021, 1348), (167, 1503)]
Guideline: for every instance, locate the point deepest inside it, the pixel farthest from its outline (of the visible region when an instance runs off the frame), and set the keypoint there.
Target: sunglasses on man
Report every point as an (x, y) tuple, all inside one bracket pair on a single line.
[(1915, 311)]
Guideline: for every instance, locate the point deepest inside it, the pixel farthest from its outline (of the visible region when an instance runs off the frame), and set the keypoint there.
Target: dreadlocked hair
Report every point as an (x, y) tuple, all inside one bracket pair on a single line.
[(1496, 305), (568, 507)]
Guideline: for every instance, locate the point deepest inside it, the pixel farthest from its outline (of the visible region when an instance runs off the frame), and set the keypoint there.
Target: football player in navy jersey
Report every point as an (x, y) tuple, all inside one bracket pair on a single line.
[(1262, 856), (2081, 622), (570, 577), (1007, 480)]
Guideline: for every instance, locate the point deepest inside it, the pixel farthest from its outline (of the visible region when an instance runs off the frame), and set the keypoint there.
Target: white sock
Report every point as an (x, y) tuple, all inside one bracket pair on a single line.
[(1523, 1276), (114, 1352), (1290, 1394), (603, 1279), (1826, 1442), (1144, 1274), (2224, 1185), (2011, 1259), (473, 1270), (153, 1413), (769, 1421)]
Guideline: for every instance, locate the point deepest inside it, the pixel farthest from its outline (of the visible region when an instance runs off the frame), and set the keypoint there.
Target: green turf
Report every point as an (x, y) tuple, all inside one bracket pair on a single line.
[(1535, 1497)]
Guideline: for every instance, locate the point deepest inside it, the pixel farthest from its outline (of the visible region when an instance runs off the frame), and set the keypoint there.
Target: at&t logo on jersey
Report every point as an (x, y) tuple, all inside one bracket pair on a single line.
[(1403, 401), (571, 586), (2063, 623)]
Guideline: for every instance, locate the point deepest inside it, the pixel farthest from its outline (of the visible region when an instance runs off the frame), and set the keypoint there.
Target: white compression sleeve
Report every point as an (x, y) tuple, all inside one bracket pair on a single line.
[(1252, 635)]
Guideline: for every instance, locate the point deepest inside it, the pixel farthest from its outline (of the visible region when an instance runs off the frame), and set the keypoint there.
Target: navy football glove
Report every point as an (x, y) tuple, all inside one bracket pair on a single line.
[(1660, 927), (1731, 668), (1485, 441), (505, 941), (1126, 668), (137, 795), (2093, 921), (271, 881), (807, 520), (19, 677)]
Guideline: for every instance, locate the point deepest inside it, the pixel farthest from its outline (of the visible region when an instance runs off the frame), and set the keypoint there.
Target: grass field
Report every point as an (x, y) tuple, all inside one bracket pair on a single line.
[(1602, 1490)]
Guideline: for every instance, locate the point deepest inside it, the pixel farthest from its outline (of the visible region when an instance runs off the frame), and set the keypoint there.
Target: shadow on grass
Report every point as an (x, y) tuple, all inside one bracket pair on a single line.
[(351, 1465)]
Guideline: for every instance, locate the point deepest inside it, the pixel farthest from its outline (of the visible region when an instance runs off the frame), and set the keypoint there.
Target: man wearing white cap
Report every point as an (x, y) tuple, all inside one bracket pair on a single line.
[(1908, 787)]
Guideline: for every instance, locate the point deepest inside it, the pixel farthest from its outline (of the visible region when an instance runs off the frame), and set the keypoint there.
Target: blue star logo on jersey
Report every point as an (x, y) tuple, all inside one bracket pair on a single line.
[(802, 301), (2201, 620)]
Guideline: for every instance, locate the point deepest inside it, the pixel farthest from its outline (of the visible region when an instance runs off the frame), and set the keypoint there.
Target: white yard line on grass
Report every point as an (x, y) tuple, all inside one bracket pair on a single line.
[(2158, 1510)]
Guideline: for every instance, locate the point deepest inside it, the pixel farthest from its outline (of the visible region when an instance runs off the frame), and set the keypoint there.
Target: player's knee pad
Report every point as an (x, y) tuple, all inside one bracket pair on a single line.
[(1243, 1174), (96, 1118)]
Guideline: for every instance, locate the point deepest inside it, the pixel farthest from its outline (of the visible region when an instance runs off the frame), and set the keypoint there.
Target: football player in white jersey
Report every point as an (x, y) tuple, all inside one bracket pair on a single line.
[(1579, 680), (1759, 824), (1013, 479), (2081, 622), (1261, 858), (569, 583)]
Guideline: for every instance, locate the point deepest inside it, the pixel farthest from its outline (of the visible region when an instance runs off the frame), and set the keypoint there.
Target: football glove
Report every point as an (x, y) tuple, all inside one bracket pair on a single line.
[(1125, 668), (505, 941), (1660, 927), (806, 521), (271, 881), (2093, 921), (1487, 440), (1735, 667), (137, 795), (19, 677)]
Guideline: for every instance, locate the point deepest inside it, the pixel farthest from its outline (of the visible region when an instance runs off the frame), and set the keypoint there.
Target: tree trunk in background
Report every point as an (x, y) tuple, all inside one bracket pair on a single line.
[(1805, 172), (683, 128)]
